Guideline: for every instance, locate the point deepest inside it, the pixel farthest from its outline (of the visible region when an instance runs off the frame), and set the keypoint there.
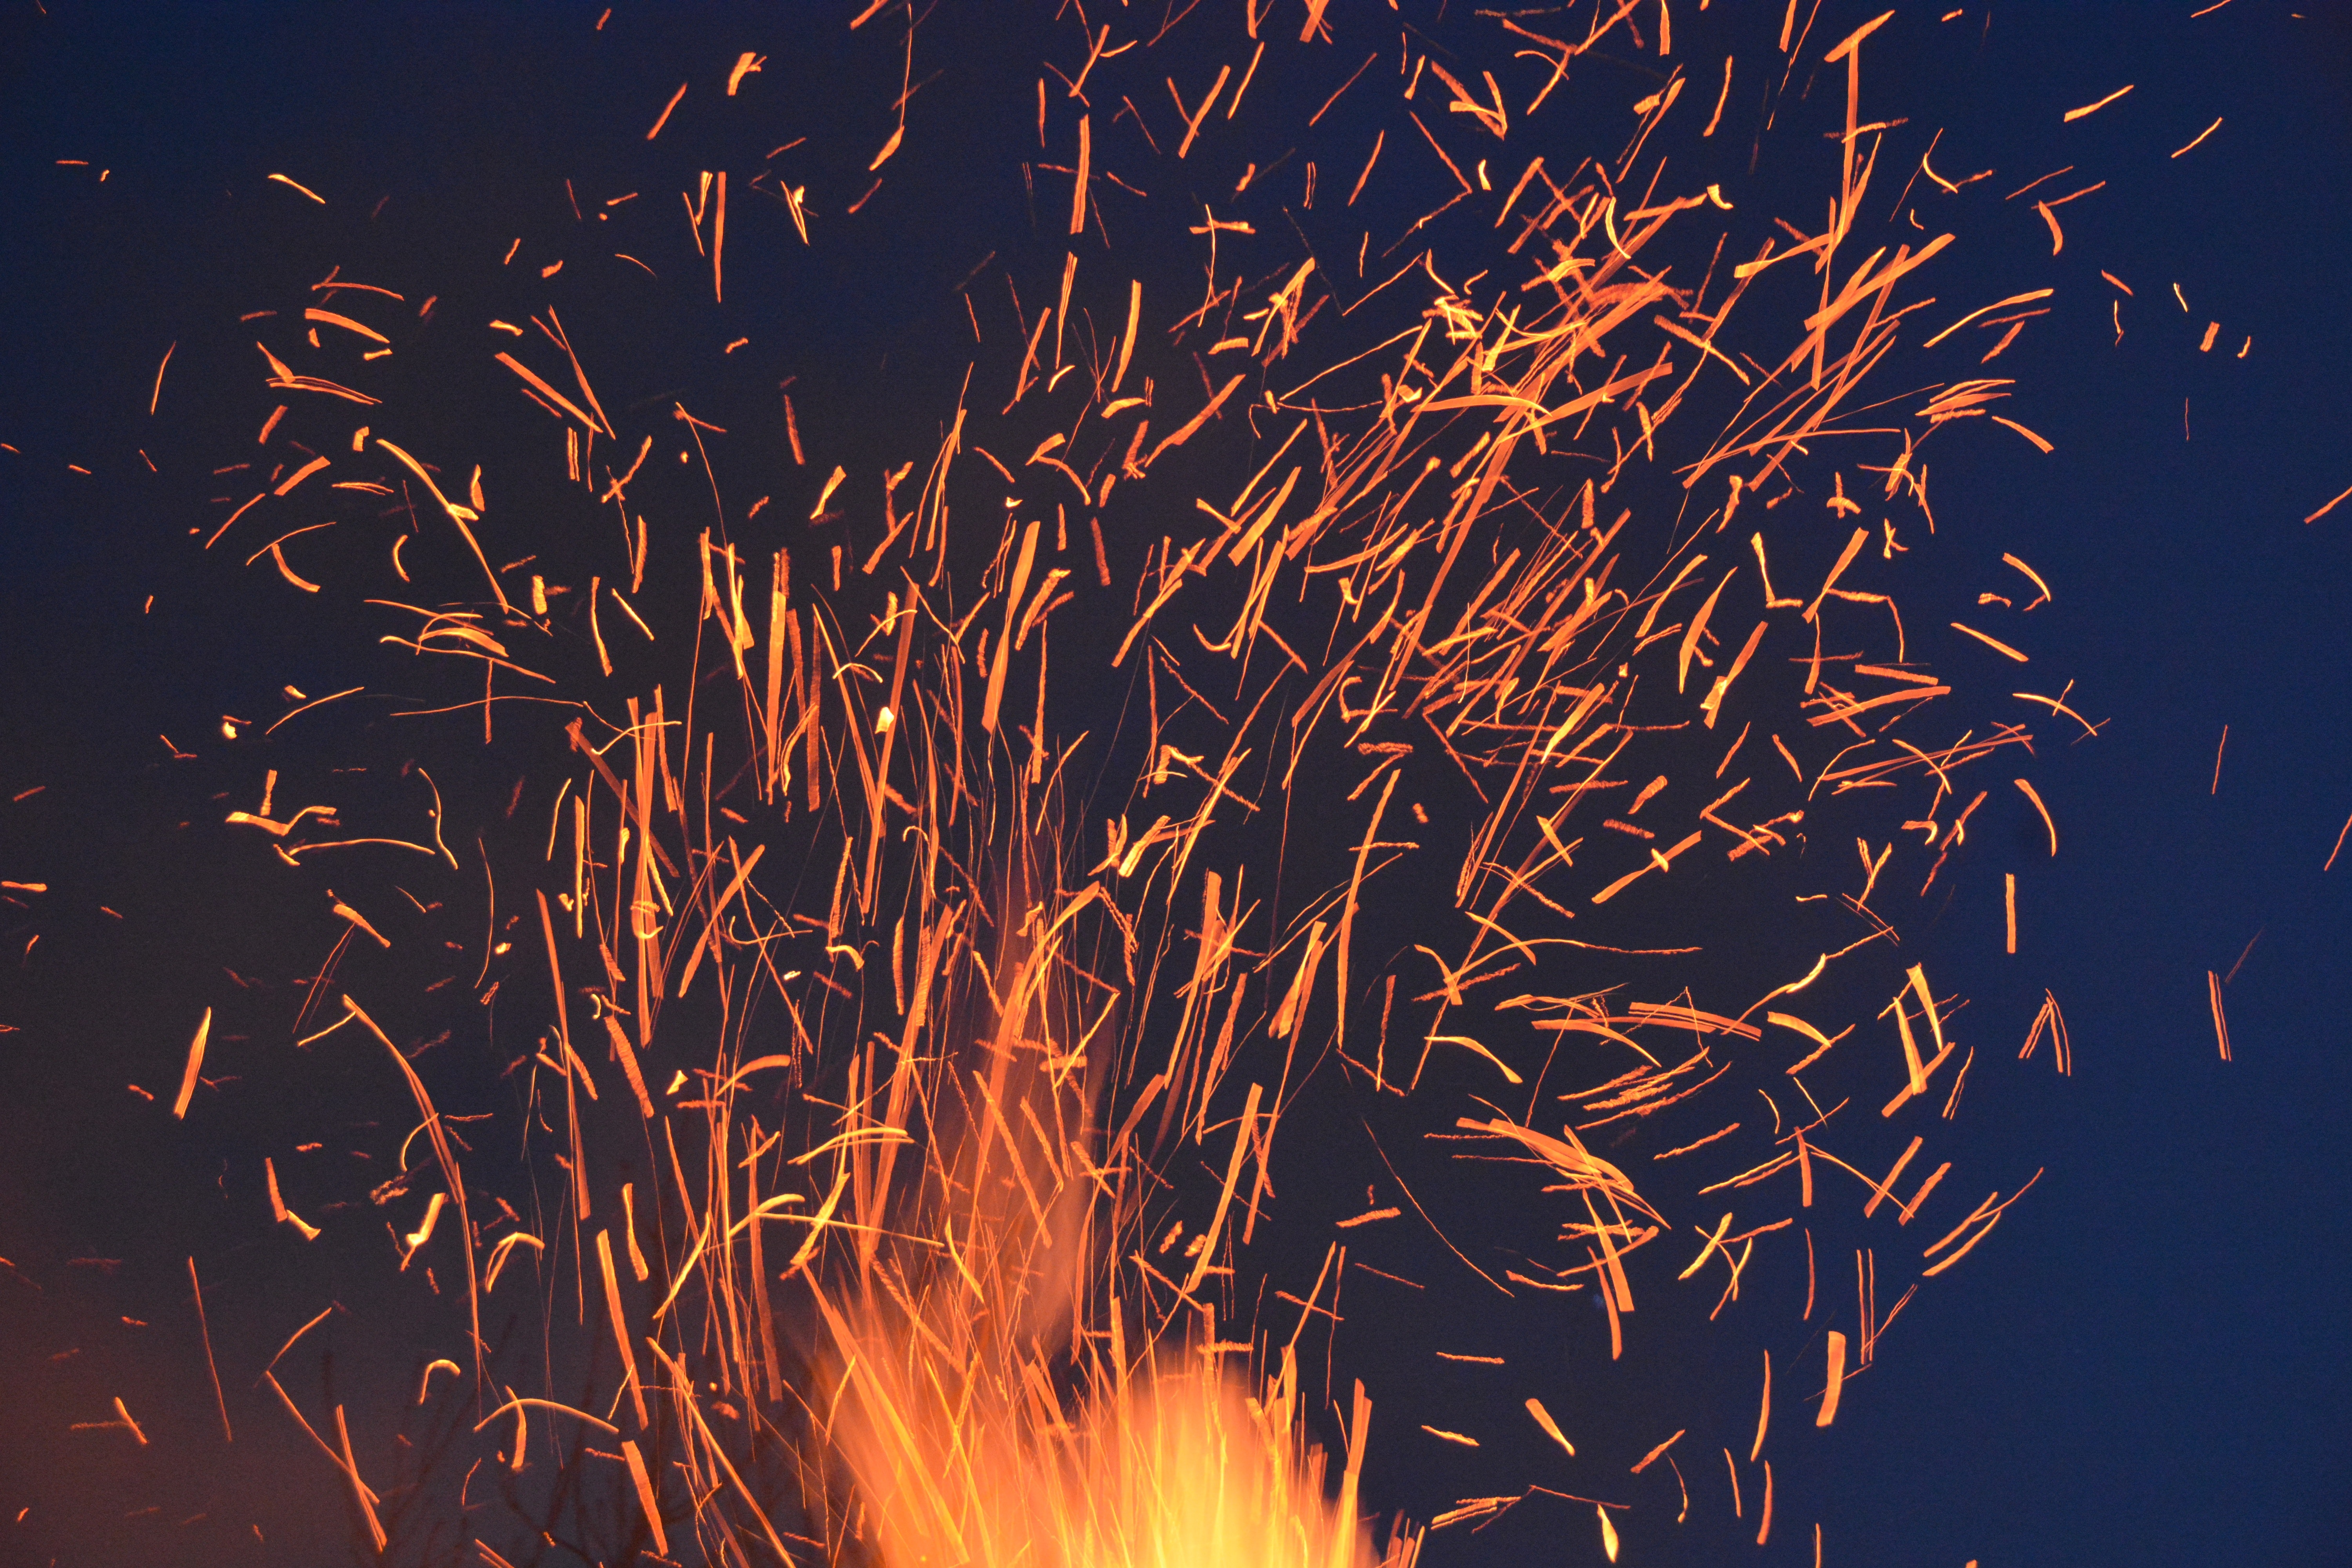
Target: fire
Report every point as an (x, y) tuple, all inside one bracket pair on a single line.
[(1180, 1466), (986, 1395), (896, 1113)]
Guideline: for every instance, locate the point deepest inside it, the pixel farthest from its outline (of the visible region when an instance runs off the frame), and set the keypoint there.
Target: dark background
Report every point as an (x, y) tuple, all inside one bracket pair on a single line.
[(2146, 1363)]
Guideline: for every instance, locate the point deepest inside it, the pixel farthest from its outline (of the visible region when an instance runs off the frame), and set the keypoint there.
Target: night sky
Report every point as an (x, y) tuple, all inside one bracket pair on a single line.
[(2147, 1362)]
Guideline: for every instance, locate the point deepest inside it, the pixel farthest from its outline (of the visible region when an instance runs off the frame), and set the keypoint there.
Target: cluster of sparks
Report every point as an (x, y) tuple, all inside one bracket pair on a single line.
[(896, 1113)]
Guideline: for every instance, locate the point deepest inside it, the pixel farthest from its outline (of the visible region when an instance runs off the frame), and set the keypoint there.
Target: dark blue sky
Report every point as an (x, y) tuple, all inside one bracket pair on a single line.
[(2145, 1363)]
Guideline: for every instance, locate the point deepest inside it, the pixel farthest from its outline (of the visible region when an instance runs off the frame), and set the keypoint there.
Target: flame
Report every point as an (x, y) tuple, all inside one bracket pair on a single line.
[(1173, 1462), (986, 1395)]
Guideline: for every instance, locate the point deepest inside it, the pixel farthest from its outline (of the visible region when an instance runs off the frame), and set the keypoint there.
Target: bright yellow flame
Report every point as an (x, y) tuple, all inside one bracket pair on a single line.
[(986, 1407), (1177, 1466)]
